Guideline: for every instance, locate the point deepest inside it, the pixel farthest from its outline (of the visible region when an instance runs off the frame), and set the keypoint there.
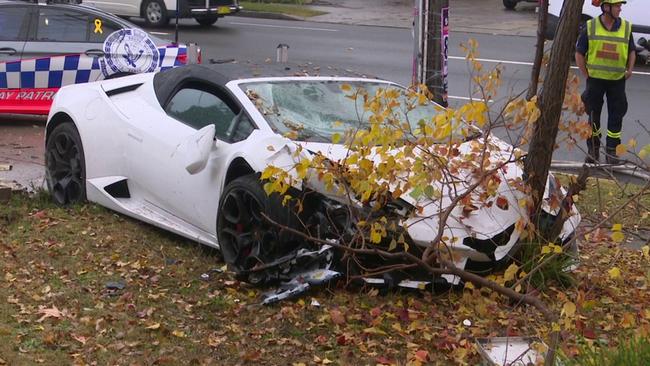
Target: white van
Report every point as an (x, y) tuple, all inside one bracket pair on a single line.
[(157, 13), (636, 11)]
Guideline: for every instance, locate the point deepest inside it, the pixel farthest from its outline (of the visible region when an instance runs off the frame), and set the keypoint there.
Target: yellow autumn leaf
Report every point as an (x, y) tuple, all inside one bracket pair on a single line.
[(646, 251), (375, 237), (179, 333), (510, 273), (153, 326), (374, 330), (632, 143), (556, 327), (617, 227), (614, 273), (336, 138), (618, 237), (346, 87), (621, 150), (569, 309)]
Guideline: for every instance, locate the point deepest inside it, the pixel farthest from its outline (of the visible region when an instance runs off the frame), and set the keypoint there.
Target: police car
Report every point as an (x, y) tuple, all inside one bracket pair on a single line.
[(44, 46)]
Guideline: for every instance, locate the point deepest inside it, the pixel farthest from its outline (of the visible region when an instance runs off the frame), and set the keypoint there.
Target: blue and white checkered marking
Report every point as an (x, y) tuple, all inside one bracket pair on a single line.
[(58, 71), (49, 72)]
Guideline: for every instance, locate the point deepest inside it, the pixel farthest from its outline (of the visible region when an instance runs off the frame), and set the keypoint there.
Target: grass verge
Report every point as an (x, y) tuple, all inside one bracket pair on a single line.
[(301, 11)]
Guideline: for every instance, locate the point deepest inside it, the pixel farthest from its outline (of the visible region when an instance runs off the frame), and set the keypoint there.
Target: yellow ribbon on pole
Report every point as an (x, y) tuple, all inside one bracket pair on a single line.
[(98, 26)]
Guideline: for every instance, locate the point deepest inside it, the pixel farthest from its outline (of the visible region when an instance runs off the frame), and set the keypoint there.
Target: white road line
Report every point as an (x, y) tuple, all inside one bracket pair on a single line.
[(525, 63), (160, 33), (466, 98), (285, 27)]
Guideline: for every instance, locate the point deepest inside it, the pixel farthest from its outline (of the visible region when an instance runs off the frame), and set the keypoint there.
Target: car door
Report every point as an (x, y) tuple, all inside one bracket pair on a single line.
[(14, 24), (158, 168), (65, 46)]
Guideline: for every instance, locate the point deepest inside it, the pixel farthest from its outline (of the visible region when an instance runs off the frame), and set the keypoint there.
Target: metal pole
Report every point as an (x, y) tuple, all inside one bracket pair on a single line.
[(436, 49), (176, 30)]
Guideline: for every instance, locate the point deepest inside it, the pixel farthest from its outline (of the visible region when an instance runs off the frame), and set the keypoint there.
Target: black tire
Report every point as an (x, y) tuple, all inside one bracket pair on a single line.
[(510, 4), (247, 239), (206, 21), (65, 165), (154, 13)]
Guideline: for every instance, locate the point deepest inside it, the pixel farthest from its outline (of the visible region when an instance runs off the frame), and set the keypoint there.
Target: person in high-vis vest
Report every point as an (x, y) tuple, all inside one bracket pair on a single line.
[(605, 54)]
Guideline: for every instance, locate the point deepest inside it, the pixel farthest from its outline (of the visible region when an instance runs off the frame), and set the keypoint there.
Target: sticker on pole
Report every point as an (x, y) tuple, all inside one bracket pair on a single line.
[(129, 51)]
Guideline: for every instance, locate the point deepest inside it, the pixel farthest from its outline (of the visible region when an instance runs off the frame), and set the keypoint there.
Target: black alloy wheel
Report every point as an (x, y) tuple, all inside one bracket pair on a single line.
[(207, 21), (246, 238), (65, 165)]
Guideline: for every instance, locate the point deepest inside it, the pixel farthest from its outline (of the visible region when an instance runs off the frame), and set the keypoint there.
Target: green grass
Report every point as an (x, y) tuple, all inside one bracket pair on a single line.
[(289, 9), (603, 195), (629, 352)]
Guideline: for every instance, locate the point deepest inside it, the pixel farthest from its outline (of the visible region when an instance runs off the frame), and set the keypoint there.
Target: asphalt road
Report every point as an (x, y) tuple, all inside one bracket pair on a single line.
[(379, 51), (388, 52)]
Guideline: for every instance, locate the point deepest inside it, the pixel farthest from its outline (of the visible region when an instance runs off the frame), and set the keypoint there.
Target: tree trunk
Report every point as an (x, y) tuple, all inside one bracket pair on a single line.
[(551, 100), (539, 53)]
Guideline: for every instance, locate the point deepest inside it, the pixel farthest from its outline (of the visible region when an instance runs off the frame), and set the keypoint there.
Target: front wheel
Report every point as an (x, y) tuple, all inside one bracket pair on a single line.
[(510, 4), (206, 21), (246, 238), (155, 13), (65, 165)]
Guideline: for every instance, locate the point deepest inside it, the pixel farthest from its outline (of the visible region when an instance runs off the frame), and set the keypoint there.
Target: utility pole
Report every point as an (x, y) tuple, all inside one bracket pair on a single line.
[(431, 32)]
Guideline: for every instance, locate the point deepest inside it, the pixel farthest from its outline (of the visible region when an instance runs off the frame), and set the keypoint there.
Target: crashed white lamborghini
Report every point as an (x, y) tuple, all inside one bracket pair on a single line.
[(183, 150)]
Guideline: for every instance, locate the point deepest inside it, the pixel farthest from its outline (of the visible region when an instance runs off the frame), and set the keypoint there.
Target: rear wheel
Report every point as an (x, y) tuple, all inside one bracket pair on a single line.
[(510, 4), (155, 13), (207, 21), (65, 165), (246, 238)]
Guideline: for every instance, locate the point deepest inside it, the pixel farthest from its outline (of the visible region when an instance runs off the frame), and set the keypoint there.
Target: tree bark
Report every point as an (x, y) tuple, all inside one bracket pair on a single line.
[(551, 100), (539, 52)]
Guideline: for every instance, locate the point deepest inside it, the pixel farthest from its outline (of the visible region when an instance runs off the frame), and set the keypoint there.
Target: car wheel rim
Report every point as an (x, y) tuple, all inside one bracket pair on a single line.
[(64, 168), (245, 232), (154, 12)]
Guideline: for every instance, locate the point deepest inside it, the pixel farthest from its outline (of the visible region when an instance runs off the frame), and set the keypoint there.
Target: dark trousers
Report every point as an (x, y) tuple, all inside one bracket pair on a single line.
[(616, 107)]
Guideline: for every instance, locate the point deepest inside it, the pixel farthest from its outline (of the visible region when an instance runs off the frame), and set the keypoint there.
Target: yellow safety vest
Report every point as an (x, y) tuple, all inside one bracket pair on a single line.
[(608, 51)]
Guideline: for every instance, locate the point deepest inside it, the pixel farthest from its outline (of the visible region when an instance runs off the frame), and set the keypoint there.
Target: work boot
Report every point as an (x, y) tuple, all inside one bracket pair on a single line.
[(611, 157), (593, 150)]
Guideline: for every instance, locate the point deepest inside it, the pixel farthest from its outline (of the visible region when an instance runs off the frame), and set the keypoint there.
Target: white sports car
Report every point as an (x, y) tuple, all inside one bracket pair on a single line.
[(183, 150)]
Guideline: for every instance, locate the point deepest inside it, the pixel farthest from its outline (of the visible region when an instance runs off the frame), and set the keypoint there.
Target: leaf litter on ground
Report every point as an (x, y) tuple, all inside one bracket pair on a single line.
[(55, 264)]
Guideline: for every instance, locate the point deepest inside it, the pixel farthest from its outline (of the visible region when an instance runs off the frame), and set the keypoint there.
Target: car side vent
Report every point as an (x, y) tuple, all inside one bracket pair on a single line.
[(123, 89), (119, 189)]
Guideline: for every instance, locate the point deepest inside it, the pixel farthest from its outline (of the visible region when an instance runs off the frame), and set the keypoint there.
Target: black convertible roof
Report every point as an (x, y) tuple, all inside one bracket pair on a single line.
[(220, 73)]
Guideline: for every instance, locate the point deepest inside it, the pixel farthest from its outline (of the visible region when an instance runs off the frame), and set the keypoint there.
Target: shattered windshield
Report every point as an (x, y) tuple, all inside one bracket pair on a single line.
[(314, 110)]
